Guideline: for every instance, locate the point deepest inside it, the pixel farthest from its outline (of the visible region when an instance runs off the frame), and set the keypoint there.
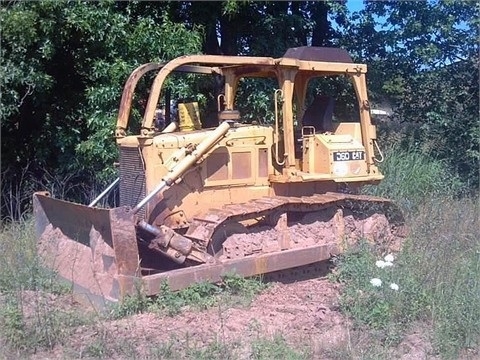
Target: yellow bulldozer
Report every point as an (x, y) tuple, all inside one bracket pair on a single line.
[(249, 197)]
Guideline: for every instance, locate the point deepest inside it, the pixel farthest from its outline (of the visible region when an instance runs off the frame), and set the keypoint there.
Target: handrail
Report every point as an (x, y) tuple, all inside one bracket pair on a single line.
[(277, 93)]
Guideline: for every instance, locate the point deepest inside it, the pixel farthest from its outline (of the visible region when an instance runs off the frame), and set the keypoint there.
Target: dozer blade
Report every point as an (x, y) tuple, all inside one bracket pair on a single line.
[(94, 249)]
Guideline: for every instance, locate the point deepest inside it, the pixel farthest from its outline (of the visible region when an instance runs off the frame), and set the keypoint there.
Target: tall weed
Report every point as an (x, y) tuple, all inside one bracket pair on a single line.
[(445, 250), (21, 267), (28, 318), (411, 177), (437, 270)]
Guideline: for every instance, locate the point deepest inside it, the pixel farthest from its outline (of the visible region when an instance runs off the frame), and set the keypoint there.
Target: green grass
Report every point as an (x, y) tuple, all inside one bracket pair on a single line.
[(438, 274), (277, 348), (21, 267), (233, 291), (213, 350), (188, 347), (28, 321), (445, 254)]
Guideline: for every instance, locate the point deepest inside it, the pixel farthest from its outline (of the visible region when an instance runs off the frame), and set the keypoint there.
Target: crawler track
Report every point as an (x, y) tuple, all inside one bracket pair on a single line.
[(294, 222)]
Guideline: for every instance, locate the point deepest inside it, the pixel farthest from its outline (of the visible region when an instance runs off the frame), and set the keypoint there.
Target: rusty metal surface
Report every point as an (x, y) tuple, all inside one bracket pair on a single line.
[(311, 53), (127, 95), (94, 249), (75, 220), (124, 241), (248, 266)]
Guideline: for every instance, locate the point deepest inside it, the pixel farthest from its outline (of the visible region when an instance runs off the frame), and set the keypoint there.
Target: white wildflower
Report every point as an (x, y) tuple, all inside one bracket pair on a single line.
[(394, 286), (387, 264), (380, 264), (389, 258), (376, 282)]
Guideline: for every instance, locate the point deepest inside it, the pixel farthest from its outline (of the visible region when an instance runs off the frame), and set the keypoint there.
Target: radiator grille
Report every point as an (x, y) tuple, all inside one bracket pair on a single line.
[(132, 178)]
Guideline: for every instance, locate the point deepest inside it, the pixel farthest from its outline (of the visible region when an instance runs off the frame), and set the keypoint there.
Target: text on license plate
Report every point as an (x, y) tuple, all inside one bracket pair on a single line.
[(348, 155)]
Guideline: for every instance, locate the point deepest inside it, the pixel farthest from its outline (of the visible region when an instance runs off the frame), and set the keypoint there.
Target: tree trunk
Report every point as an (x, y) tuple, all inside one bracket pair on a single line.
[(321, 30)]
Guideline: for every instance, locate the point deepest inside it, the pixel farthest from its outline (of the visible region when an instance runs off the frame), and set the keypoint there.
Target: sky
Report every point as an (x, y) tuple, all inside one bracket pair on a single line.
[(355, 5)]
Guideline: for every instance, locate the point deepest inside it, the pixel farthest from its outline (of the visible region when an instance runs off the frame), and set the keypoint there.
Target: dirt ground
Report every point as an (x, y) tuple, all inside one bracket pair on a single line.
[(304, 313)]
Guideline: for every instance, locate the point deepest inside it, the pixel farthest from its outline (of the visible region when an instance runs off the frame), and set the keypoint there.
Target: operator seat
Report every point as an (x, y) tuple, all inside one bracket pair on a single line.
[(319, 114)]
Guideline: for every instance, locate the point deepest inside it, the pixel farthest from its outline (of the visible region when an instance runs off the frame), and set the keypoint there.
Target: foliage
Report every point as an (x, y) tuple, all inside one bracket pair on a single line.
[(378, 307), (200, 295), (214, 350), (131, 305), (255, 98), (276, 348), (66, 63), (260, 28), (17, 188), (437, 268), (13, 326), (21, 267), (444, 119), (138, 43), (423, 59), (28, 321), (238, 285), (444, 255), (63, 66)]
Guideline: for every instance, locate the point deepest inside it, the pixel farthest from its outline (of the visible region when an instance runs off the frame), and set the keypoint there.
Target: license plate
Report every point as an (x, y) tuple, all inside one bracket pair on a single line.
[(348, 155)]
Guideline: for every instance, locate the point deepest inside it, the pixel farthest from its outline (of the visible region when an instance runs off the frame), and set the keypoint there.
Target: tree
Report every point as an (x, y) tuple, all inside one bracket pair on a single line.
[(62, 70), (260, 28), (423, 57)]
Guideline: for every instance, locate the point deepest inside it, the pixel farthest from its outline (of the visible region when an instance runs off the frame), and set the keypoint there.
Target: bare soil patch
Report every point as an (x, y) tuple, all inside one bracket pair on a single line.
[(304, 313)]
